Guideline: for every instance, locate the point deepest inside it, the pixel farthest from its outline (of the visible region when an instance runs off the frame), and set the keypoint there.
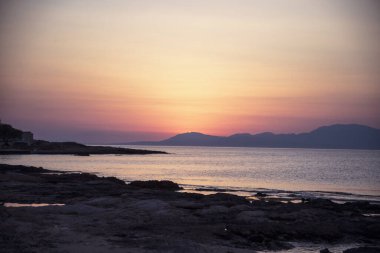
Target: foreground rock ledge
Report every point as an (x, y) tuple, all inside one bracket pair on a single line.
[(107, 215)]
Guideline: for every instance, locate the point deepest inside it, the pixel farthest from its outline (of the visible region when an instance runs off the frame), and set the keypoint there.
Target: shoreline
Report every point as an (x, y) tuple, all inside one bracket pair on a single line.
[(104, 214), (283, 195), (246, 191), (40, 147)]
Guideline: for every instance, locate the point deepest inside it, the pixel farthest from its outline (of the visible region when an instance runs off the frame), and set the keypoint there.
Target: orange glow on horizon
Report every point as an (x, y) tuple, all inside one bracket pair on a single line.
[(217, 67)]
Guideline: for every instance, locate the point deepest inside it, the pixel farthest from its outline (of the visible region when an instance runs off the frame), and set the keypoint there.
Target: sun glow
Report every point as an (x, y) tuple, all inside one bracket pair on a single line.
[(174, 66)]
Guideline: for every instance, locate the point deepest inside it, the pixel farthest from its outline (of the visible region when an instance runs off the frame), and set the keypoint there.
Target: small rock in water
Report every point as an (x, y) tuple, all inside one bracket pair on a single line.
[(326, 250), (260, 194), (155, 184)]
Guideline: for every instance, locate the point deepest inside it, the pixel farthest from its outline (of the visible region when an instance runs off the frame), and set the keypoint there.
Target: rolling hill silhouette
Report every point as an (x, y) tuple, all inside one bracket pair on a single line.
[(339, 136)]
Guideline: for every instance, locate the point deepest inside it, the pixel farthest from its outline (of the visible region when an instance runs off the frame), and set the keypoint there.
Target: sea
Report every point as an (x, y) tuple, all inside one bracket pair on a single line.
[(286, 174)]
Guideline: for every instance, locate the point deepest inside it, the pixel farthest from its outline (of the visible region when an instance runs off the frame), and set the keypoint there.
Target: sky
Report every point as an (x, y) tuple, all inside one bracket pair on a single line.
[(118, 70)]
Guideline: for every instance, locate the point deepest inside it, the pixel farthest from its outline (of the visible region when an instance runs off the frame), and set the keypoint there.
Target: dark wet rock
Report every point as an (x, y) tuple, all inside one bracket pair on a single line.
[(251, 216), (318, 202), (82, 177), (289, 216), (105, 214), (260, 194), (82, 154), (104, 202), (115, 180), (227, 199), (191, 205), (362, 207), (257, 238), (326, 250), (20, 177), (3, 212), (156, 184), (241, 207), (363, 250), (185, 247), (372, 230), (213, 210), (21, 169), (212, 189), (62, 178), (278, 245), (358, 204), (152, 205), (322, 231)]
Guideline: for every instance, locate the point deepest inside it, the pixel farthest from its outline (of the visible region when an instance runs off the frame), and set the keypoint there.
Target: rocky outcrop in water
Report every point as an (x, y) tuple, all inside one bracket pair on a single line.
[(72, 148), (156, 184)]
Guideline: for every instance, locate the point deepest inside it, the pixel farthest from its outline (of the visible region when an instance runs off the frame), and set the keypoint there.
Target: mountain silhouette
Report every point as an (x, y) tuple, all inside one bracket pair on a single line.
[(339, 136)]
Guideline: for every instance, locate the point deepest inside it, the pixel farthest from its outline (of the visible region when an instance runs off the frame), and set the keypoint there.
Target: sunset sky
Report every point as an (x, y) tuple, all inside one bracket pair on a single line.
[(117, 70)]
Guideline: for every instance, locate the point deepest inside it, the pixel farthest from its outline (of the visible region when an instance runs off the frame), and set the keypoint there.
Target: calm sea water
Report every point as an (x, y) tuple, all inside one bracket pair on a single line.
[(339, 174)]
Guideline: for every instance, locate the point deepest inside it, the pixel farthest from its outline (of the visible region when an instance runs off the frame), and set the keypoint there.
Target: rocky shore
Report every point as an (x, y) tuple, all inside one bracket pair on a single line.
[(71, 148), (17, 142), (88, 213)]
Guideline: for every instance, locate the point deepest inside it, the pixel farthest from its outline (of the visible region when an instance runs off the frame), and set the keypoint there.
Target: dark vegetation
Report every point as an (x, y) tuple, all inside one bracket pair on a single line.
[(7, 133)]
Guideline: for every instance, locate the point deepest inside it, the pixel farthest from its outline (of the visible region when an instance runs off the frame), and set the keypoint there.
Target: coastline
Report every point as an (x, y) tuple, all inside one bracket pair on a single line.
[(240, 172), (40, 147), (102, 214), (283, 195)]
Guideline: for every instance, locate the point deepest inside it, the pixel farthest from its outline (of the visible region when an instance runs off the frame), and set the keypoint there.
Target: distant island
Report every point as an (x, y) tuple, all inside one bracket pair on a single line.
[(338, 136), (16, 141)]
